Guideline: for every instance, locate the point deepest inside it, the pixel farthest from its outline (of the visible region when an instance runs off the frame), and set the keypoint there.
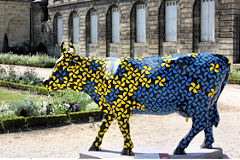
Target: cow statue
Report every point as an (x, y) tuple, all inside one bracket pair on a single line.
[(189, 84)]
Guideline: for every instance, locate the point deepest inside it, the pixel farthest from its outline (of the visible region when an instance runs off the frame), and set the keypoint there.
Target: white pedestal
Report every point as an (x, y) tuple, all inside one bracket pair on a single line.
[(154, 153)]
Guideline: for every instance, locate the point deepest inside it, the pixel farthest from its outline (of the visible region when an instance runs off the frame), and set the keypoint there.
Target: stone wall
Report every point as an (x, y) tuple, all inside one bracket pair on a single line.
[(227, 22), (15, 21)]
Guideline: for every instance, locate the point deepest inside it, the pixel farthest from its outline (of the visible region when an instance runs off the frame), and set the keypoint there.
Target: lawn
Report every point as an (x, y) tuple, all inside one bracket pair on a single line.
[(11, 95)]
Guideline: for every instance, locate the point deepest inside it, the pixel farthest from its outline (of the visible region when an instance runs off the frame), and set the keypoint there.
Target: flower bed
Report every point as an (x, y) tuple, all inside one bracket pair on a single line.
[(28, 60)]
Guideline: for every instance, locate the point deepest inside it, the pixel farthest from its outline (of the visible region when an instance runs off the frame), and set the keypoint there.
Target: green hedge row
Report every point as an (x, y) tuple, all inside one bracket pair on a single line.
[(234, 81), (36, 89), (11, 124)]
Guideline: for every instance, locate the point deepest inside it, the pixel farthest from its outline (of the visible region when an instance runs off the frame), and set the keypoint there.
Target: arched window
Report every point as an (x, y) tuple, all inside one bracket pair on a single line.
[(57, 27), (140, 23), (74, 27), (115, 25), (93, 26), (207, 20), (171, 21)]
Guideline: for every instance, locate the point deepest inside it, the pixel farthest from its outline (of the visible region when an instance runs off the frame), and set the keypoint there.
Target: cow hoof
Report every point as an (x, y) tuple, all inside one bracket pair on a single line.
[(127, 152), (179, 151), (94, 148), (208, 146)]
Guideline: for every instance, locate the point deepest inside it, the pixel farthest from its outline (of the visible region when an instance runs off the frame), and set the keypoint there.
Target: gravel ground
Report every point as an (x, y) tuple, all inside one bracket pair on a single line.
[(146, 130)]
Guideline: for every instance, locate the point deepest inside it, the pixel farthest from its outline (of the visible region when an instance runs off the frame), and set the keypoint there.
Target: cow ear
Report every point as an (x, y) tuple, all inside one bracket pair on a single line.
[(63, 49), (71, 48)]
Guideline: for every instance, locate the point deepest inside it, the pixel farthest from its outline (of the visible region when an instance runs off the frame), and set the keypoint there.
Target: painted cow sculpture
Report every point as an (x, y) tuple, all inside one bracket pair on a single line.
[(189, 84)]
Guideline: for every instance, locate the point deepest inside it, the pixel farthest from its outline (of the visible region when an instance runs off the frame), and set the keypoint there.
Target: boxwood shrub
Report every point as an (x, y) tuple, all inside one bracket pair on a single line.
[(35, 89), (234, 81), (84, 116), (57, 119), (15, 123), (11, 124), (36, 121)]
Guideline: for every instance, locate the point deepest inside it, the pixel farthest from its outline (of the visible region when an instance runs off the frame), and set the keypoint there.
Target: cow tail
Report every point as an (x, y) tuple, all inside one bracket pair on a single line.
[(214, 115)]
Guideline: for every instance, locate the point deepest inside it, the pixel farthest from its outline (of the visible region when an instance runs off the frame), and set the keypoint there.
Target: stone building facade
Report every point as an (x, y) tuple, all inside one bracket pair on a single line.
[(226, 31), (23, 21)]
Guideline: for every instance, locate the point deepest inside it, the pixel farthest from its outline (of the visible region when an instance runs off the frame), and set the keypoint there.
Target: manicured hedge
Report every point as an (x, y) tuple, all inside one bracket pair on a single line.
[(234, 81), (11, 124), (36, 89), (37, 121), (84, 116), (57, 119), (41, 90)]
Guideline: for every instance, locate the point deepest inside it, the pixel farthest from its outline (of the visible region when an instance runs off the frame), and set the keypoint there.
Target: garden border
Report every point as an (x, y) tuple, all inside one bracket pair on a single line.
[(234, 81), (37, 89), (18, 123), (23, 60)]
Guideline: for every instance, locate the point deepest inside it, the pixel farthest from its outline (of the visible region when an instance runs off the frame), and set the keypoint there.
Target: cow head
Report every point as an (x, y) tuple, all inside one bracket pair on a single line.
[(66, 73)]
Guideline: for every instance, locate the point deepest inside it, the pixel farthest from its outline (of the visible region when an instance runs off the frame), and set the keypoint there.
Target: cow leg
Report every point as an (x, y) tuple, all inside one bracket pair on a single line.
[(213, 120), (209, 140), (102, 129), (198, 125), (124, 126)]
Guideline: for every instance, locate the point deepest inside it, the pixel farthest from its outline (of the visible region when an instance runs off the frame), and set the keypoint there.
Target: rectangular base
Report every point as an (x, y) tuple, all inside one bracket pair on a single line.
[(155, 153)]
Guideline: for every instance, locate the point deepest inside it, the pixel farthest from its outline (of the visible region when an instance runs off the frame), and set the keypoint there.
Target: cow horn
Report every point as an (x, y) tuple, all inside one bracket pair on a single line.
[(63, 49), (71, 47)]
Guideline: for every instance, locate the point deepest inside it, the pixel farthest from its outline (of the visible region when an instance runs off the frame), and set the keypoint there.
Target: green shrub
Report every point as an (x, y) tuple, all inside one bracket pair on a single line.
[(68, 101), (5, 112), (10, 124), (84, 116), (13, 123), (29, 77), (28, 60), (92, 106), (235, 74), (79, 116), (234, 81), (37, 121), (25, 107), (35, 89), (57, 119)]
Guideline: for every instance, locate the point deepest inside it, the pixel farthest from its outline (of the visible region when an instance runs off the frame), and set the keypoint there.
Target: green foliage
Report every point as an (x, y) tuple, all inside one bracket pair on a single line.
[(5, 112), (92, 106), (86, 116), (28, 60), (26, 48), (26, 107), (57, 119), (28, 77), (235, 74), (9, 124), (68, 101), (34, 89), (37, 121)]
